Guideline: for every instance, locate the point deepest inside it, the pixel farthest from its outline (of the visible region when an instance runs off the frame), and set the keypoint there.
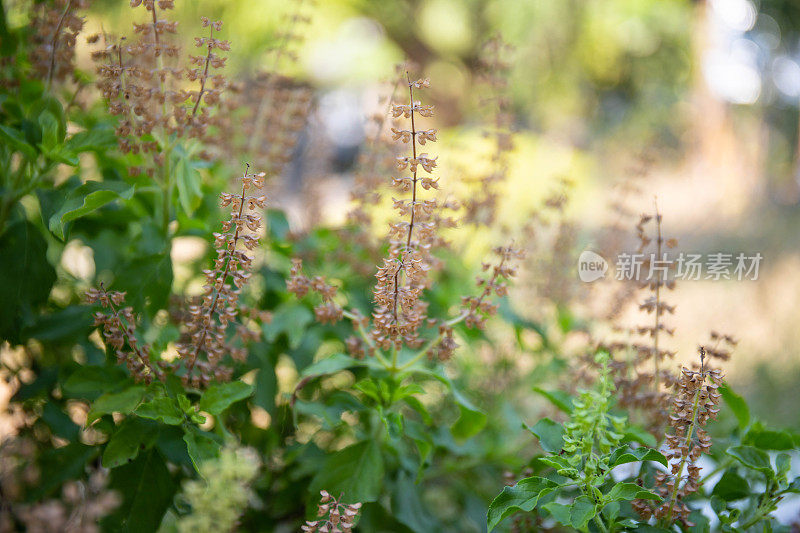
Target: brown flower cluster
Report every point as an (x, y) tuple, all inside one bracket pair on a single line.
[(493, 71), (695, 402), (551, 236), (119, 332), (399, 311), (206, 323), (144, 85), (328, 312), (206, 330), (334, 516), (642, 380), (720, 346), (55, 31), (278, 105), (476, 308)]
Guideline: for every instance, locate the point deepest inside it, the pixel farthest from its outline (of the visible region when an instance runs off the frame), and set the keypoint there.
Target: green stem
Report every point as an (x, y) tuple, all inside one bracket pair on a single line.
[(599, 522), (436, 340), (765, 506)]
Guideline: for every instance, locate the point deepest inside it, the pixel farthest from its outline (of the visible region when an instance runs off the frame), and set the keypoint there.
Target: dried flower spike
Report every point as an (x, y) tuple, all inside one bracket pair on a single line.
[(334, 516), (206, 330)]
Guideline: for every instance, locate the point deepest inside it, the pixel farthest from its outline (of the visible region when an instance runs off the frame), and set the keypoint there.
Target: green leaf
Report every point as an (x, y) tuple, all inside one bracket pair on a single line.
[(69, 324), (201, 445), (582, 511), (27, 277), (561, 513), (290, 319), (163, 409), (92, 381), (731, 486), (637, 434), (768, 439), (60, 423), (624, 455), (147, 490), (700, 521), (554, 461), (470, 421), (551, 435), (559, 398), (85, 199), (147, 280), (356, 472), (330, 365), (752, 458), (134, 434), (188, 180), (16, 139), (783, 463), (414, 403), (99, 138), (115, 402), (277, 225), (266, 386), (737, 405), (219, 397), (407, 506), (630, 491), (52, 136), (521, 497)]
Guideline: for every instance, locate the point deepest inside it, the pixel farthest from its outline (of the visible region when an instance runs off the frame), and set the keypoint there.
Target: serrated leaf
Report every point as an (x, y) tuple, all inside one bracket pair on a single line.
[(219, 397), (201, 445), (561, 513), (521, 497), (630, 491), (752, 458), (163, 409), (624, 455), (550, 434), (99, 138), (123, 402), (581, 512), (85, 199)]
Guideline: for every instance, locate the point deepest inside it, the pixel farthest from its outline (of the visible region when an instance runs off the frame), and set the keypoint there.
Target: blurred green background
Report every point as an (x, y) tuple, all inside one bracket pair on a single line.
[(695, 101)]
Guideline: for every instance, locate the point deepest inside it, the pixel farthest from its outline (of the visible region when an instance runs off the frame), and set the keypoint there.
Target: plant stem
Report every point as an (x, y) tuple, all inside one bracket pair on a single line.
[(687, 441), (658, 302)]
